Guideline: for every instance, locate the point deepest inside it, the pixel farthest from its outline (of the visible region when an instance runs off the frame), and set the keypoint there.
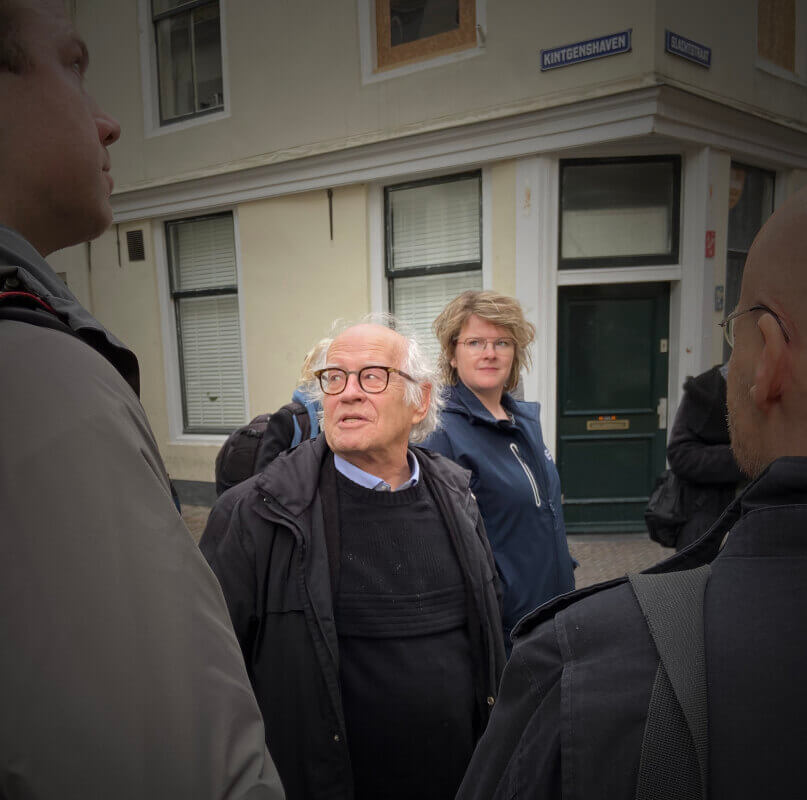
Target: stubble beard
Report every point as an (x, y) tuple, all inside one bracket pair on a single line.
[(742, 430)]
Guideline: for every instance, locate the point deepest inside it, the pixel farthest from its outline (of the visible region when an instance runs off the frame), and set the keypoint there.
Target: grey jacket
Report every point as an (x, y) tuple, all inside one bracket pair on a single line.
[(120, 675)]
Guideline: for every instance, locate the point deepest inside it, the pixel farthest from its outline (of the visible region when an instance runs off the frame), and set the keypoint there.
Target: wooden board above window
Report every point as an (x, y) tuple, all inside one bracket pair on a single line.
[(404, 30), (776, 32)]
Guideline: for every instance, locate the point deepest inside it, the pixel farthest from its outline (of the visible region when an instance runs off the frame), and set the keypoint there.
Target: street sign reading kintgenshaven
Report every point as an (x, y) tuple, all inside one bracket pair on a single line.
[(610, 45)]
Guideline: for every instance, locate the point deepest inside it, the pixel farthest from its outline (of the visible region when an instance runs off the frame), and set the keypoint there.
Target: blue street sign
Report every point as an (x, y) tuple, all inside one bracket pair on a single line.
[(686, 48), (610, 45)]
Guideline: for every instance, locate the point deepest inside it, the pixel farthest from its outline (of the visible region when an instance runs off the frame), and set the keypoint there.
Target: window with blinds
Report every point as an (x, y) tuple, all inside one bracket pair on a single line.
[(204, 289), (434, 247)]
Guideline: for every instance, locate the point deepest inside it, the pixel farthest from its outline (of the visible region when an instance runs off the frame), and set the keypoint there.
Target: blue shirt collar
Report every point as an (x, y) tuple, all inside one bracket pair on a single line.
[(368, 481)]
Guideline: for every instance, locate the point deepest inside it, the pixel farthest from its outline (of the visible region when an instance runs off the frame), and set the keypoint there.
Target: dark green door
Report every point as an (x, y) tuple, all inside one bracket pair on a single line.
[(612, 387)]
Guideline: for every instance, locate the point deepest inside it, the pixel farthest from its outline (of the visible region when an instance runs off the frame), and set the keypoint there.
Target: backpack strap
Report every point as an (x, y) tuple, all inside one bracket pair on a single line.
[(301, 422), (28, 307), (675, 749)]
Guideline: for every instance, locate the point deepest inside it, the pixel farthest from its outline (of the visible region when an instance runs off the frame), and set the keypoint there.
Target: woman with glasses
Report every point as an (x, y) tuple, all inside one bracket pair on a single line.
[(484, 339)]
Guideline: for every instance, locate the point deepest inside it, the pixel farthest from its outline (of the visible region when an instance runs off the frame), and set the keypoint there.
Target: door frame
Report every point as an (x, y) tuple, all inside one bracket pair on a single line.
[(704, 205)]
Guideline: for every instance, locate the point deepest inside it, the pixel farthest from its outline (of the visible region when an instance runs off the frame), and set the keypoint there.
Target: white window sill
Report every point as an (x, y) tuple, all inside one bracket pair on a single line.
[(197, 439), (183, 125), (780, 72)]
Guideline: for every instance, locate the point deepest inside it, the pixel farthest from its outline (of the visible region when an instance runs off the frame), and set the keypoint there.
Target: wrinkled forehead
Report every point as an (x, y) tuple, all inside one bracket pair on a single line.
[(366, 344)]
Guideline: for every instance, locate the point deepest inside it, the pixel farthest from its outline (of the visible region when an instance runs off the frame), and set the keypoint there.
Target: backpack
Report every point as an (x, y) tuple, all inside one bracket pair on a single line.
[(236, 460), (665, 514)]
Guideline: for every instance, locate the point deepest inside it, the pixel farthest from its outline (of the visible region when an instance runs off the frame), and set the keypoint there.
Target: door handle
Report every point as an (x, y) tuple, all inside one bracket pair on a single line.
[(661, 410)]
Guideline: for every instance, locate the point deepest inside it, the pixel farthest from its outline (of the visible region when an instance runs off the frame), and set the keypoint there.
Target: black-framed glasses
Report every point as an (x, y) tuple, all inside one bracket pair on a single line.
[(477, 344), (728, 323), (373, 379)]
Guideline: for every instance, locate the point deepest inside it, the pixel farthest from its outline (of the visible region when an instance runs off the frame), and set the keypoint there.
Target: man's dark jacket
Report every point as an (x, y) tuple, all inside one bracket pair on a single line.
[(266, 542), (700, 454), (571, 713)]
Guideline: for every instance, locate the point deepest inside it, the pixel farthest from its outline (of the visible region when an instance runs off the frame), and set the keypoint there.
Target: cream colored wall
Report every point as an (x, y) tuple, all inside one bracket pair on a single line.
[(295, 79), (73, 262), (125, 299), (295, 281), (794, 180), (503, 224), (730, 29)]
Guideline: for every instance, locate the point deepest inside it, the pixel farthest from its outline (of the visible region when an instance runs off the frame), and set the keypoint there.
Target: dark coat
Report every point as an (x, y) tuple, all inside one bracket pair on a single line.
[(571, 713), (700, 454), (266, 542), (518, 490)]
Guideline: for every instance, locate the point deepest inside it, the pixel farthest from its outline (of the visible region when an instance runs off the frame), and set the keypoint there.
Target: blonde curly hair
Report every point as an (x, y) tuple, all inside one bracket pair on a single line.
[(498, 309)]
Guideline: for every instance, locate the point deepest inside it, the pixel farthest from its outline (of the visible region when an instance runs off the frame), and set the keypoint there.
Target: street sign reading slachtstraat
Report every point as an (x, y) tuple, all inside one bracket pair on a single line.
[(611, 45), (692, 51)]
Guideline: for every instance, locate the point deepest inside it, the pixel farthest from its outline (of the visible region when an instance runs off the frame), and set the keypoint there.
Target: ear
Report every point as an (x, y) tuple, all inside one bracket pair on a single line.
[(772, 375), (453, 362), (422, 408)]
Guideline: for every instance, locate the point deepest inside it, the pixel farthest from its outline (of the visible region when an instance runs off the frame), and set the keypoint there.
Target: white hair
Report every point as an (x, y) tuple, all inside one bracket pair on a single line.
[(416, 363)]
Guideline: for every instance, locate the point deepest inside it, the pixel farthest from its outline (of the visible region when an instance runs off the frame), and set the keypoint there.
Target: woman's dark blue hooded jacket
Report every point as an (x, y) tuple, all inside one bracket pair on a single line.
[(518, 491)]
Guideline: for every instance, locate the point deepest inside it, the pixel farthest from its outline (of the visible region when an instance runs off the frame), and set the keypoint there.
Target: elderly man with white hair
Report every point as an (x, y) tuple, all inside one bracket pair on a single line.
[(362, 588)]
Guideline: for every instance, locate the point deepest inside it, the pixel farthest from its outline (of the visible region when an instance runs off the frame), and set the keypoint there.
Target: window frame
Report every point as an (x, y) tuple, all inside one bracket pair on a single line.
[(638, 260), (174, 295), (798, 74), (443, 269), (368, 46), (389, 57), (150, 78), (185, 8)]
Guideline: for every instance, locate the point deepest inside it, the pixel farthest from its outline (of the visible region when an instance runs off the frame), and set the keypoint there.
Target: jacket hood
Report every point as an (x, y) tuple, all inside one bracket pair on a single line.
[(707, 396), (460, 399), (23, 269)]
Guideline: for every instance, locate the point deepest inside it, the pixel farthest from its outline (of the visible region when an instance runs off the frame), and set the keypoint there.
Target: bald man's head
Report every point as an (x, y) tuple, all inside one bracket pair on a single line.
[(776, 269), (767, 382)]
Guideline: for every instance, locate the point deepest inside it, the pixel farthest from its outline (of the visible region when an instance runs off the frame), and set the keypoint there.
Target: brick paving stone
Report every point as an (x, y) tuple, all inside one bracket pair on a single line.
[(601, 556), (606, 556), (195, 518)]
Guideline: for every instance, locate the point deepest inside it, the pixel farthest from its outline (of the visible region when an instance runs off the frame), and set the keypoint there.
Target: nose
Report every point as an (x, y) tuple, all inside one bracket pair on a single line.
[(108, 128), (492, 348), (352, 389)]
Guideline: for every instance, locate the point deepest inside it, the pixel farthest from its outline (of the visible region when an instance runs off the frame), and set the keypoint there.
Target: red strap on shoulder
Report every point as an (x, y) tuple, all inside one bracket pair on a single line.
[(32, 299)]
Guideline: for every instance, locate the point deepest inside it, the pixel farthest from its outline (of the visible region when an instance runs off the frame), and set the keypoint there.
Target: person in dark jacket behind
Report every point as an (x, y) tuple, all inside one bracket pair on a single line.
[(484, 339), (574, 697), (700, 454), (120, 674), (362, 588)]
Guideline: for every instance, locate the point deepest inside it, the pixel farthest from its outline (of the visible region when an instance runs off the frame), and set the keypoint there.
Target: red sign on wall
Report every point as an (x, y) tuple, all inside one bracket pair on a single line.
[(710, 244)]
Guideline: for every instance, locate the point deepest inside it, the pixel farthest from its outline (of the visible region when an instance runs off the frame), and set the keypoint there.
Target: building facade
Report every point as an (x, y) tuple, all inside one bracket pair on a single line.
[(284, 164)]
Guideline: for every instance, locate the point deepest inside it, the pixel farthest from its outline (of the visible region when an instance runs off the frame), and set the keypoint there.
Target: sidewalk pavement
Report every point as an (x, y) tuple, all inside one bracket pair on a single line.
[(601, 556)]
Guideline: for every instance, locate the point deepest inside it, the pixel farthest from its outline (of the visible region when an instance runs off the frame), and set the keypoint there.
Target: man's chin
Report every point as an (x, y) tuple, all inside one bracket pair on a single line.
[(748, 459)]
